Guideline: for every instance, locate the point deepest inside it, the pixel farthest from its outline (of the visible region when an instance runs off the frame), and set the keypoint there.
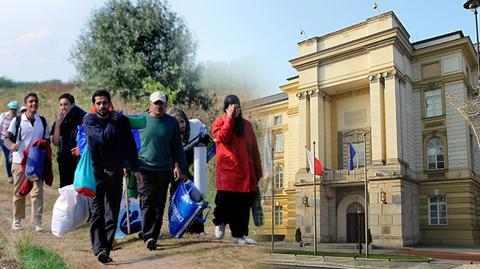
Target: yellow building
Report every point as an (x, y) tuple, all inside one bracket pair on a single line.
[(423, 163)]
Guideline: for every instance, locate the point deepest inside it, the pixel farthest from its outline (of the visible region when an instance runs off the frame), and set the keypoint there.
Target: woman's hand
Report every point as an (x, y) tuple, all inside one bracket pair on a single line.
[(230, 110), (59, 118)]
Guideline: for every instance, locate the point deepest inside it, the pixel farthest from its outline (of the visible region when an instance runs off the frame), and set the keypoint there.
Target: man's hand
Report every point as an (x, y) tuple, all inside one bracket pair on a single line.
[(13, 147), (177, 174), (230, 110), (139, 178)]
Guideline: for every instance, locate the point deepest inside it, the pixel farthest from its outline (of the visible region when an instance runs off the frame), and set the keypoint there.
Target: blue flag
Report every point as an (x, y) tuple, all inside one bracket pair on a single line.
[(351, 153)]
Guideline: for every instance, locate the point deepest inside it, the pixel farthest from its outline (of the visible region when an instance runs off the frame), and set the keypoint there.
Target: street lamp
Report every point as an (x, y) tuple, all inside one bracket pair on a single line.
[(473, 5)]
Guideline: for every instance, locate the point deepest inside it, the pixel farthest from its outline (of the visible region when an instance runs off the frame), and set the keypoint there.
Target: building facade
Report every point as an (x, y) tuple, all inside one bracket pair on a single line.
[(368, 85)]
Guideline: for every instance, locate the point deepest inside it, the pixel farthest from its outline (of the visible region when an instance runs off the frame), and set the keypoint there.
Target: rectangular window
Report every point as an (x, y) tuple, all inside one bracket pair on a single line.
[(278, 177), (437, 210), (433, 103), (278, 215), (277, 120), (279, 142)]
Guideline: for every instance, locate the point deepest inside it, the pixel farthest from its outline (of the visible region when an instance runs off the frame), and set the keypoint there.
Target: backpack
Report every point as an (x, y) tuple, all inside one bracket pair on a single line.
[(18, 131)]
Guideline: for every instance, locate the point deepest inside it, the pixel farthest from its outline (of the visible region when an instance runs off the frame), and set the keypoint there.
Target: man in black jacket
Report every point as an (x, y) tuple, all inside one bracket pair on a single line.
[(64, 135), (111, 144)]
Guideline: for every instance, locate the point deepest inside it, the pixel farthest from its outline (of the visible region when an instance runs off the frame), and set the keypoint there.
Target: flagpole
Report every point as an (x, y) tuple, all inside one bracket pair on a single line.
[(314, 202), (366, 191), (273, 201)]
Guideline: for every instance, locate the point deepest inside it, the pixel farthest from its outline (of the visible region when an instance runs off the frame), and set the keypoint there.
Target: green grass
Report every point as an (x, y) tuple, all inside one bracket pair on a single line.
[(353, 255), (37, 257)]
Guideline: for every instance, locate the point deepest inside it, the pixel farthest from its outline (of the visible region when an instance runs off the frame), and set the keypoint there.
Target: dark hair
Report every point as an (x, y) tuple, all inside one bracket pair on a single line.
[(238, 126), (177, 112), (32, 94), (99, 93), (67, 96)]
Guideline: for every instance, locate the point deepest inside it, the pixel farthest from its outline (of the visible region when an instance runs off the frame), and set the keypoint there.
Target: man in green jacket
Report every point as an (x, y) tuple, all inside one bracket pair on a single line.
[(161, 158)]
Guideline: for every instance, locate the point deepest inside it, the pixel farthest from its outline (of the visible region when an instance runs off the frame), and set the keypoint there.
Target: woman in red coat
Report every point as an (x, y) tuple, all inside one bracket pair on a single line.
[(238, 171)]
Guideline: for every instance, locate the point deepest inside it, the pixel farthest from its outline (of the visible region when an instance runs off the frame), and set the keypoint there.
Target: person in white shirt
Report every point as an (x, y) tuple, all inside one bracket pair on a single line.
[(5, 119), (32, 128)]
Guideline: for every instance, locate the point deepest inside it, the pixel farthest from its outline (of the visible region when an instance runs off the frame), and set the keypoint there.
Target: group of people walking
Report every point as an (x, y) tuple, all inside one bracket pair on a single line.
[(166, 151)]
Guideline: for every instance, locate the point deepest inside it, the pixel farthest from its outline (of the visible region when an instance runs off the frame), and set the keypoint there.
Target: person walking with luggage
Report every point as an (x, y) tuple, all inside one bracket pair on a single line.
[(64, 135), (5, 119), (161, 158), (193, 134), (111, 144), (24, 131), (238, 170)]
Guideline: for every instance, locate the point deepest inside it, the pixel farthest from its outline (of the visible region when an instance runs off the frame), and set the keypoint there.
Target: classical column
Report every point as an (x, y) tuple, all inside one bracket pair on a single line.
[(303, 128), (317, 124), (393, 117), (327, 162), (319, 115), (377, 119)]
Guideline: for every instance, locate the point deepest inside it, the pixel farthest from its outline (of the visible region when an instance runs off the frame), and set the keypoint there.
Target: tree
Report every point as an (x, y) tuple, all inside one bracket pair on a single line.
[(126, 46), (470, 110)]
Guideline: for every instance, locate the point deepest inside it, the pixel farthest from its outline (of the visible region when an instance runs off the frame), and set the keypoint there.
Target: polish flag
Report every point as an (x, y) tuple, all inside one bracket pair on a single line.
[(318, 164)]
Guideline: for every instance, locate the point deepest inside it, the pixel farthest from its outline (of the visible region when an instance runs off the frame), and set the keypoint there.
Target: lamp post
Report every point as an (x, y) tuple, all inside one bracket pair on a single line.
[(314, 203), (366, 191), (473, 5)]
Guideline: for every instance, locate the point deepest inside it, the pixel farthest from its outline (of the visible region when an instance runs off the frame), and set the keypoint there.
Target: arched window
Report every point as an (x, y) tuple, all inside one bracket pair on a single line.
[(355, 208), (436, 154), (278, 177)]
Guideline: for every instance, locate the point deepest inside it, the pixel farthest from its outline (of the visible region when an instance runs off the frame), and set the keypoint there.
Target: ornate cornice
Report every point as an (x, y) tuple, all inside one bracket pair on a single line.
[(388, 74)]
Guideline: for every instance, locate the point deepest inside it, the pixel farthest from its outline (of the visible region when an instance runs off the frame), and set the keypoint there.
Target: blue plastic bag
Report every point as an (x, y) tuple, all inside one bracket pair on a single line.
[(84, 178), (185, 206), (35, 163), (136, 137), (135, 219), (81, 139), (211, 150), (257, 211)]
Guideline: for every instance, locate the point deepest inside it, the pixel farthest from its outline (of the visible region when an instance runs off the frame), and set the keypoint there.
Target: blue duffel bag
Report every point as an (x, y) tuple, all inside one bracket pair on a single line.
[(185, 206)]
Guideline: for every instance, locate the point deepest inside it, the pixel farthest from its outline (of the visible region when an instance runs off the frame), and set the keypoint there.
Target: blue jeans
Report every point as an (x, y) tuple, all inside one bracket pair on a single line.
[(8, 162)]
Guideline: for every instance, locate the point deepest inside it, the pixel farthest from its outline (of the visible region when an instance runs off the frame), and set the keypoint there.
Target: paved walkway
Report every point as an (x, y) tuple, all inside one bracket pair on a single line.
[(441, 257)]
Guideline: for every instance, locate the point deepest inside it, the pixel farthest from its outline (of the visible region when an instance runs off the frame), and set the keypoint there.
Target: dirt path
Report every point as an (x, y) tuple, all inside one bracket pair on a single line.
[(193, 251)]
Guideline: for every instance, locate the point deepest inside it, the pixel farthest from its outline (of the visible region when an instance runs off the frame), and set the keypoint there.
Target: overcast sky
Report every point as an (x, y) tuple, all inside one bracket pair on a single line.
[(38, 35)]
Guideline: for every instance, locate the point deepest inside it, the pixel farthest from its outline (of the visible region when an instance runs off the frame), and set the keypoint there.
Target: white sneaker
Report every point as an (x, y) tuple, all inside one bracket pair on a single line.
[(239, 240), (38, 228), (244, 240), (220, 231), (17, 224), (10, 180), (249, 241)]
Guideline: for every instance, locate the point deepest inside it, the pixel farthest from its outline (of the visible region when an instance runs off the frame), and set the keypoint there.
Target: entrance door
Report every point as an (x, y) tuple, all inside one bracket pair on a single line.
[(355, 224)]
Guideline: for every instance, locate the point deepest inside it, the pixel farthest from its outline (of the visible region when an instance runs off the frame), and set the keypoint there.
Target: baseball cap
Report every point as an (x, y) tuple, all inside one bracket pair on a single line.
[(158, 96), (13, 105), (23, 108)]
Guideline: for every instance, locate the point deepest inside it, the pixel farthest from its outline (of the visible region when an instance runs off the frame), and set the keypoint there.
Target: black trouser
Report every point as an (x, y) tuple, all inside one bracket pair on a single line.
[(66, 169), (104, 208), (153, 196), (233, 208)]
